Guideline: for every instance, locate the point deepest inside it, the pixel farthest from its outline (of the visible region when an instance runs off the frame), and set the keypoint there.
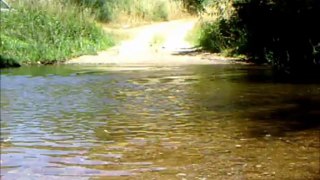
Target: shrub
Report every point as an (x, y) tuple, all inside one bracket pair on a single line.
[(222, 36)]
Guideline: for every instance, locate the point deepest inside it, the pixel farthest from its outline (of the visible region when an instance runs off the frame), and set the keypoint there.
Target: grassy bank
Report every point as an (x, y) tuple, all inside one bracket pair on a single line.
[(47, 32)]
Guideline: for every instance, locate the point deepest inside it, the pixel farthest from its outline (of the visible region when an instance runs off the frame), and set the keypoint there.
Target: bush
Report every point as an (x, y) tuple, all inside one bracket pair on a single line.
[(211, 37), (222, 36), (47, 33)]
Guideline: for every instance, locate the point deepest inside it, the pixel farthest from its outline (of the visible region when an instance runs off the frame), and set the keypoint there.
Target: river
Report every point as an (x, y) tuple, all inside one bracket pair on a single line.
[(188, 122)]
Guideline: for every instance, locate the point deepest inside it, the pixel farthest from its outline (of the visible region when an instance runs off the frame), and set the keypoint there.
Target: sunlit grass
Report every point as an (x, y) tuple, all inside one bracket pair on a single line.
[(135, 12), (48, 32)]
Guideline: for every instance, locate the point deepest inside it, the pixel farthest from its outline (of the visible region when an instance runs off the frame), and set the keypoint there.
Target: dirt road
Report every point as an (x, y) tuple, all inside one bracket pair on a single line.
[(155, 44)]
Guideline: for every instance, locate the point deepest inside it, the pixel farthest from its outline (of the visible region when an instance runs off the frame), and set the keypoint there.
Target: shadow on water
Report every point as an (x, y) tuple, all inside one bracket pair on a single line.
[(265, 74), (299, 109), (299, 114), (295, 109), (273, 105)]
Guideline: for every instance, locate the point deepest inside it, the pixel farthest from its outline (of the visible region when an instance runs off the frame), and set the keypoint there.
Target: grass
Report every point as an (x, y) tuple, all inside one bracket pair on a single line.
[(157, 40), (134, 12), (48, 32)]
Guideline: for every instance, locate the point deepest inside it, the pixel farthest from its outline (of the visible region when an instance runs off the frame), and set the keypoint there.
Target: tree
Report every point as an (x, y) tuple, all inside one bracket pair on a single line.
[(283, 33)]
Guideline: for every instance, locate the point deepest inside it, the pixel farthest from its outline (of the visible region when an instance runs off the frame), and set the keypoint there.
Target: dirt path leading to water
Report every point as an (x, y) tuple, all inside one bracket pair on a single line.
[(156, 44)]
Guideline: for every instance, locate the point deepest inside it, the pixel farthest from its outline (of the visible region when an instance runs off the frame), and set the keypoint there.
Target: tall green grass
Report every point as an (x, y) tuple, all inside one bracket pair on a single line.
[(48, 32)]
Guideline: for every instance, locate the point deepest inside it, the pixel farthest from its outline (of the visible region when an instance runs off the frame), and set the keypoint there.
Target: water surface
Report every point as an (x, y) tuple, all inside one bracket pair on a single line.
[(189, 122)]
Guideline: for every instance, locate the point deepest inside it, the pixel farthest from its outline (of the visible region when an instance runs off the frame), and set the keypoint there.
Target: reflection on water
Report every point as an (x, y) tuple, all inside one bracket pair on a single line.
[(198, 122)]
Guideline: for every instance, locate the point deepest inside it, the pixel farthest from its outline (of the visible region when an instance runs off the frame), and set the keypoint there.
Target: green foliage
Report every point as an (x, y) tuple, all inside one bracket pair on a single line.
[(221, 36), (283, 33), (219, 32), (211, 37), (48, 33)]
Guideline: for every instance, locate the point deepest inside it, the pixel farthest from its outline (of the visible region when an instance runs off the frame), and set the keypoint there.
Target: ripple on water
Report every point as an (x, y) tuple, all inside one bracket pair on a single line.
[(146, 123)]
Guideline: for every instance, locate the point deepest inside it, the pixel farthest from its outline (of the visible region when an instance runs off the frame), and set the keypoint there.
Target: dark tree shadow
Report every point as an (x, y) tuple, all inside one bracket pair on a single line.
[(298, 114)]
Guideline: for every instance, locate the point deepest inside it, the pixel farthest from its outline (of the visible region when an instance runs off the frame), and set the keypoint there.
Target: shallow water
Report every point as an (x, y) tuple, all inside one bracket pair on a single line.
[(189, 122)]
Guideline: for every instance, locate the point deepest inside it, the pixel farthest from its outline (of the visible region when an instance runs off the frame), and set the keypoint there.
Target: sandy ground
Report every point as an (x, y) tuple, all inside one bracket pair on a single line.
[(156, 44)]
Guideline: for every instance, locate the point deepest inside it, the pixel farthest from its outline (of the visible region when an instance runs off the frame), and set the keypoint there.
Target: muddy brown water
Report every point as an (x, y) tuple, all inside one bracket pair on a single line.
[(189, 122)]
